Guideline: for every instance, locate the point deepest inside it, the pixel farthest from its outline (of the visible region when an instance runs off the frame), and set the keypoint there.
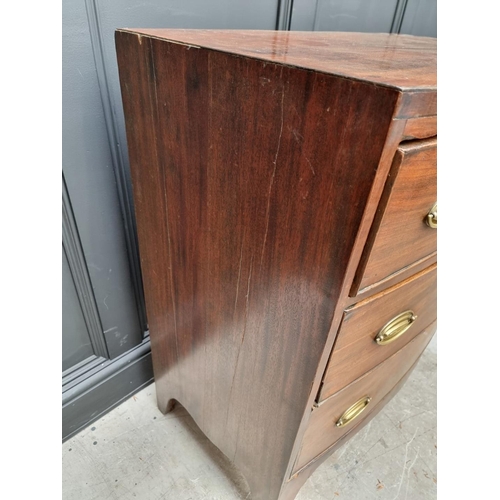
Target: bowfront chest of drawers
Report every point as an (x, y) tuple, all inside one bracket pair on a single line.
[(285, 194)]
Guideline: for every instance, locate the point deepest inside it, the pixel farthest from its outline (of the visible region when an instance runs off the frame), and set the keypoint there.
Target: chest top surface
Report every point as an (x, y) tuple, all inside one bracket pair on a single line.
[(404, 62)]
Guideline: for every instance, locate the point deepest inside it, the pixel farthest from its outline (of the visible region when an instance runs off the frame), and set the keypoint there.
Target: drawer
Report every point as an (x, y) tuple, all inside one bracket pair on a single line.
[(356, 351), (323, 432), (420, 128), (400, 236)]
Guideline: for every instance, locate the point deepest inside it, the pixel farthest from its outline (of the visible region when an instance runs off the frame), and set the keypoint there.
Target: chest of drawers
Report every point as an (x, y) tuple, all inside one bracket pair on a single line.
[(285, 194)]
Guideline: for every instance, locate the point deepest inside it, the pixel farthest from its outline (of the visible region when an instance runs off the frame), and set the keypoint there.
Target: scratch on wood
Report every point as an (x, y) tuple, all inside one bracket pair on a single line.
[(239, 276), (274, 168), (246, 303), (310, 166), (242, 340), (299, 138), (166, 205)]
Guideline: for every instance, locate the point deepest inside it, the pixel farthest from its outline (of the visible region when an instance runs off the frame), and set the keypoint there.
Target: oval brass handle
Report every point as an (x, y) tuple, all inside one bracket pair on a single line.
[(395, 328), (432, 217), (353, 411)]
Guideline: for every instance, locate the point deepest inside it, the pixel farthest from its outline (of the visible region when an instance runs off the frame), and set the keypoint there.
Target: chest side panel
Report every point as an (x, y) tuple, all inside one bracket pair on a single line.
[(250, 181)]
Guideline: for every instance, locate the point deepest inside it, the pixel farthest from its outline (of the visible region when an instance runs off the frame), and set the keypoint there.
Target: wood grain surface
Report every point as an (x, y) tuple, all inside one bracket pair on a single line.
[(402, 275), (399, 235), (420, 128), (377, 383), (355, 351), (417, 104), (297, 480), (258, 160), (401, 61), (250, 185), (392, 140)]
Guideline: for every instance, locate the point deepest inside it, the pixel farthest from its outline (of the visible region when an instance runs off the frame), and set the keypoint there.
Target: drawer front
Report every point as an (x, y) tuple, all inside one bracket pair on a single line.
[(356, 350), (420, 128), (322, 430), (400, 235)]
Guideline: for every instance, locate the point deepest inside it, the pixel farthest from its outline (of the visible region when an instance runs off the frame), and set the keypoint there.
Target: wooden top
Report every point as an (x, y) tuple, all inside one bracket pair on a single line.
[(400, 61)]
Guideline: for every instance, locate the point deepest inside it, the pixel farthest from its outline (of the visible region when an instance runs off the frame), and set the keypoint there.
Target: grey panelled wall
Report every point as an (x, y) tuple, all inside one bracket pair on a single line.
[(76, 344), (420, 18), (91, 184), (343, 15), (106, 349), (414, 17), (106, 355)]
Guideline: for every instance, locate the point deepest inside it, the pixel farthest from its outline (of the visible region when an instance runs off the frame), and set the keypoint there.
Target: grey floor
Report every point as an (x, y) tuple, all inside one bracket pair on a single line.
[(136, 452)]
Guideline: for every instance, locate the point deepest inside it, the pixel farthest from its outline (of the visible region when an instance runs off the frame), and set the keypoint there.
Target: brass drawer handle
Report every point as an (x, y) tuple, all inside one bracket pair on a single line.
[(432, 217), (353, 411), (395, 328)]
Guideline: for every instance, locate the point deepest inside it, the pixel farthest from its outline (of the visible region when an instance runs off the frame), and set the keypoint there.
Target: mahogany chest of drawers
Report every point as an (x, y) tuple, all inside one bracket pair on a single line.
[(285, 194)]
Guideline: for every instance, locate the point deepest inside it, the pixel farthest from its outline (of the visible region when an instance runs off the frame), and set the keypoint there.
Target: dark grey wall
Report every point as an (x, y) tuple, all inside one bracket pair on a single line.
[(344, 15), (76, 344), (105, 342), (89, 173), (414, 17), (420, 18), (106, 353)]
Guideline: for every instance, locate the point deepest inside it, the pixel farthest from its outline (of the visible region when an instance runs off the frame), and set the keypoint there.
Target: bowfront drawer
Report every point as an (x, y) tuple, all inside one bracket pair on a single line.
[(345, 410), (375, 328), (404, 229)]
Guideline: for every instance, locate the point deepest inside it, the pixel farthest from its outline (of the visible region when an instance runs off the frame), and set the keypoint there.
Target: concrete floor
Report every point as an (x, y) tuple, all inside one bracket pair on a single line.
[(136, 452)]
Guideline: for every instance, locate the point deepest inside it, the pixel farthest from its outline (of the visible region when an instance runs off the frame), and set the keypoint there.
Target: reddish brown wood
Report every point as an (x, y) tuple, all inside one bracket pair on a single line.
[(399, 236), (356, 352), (399, 61), (293, 485), (418, 104), (393, 138), (377, 383), (420, 128), (255, 185), (394, 279)]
